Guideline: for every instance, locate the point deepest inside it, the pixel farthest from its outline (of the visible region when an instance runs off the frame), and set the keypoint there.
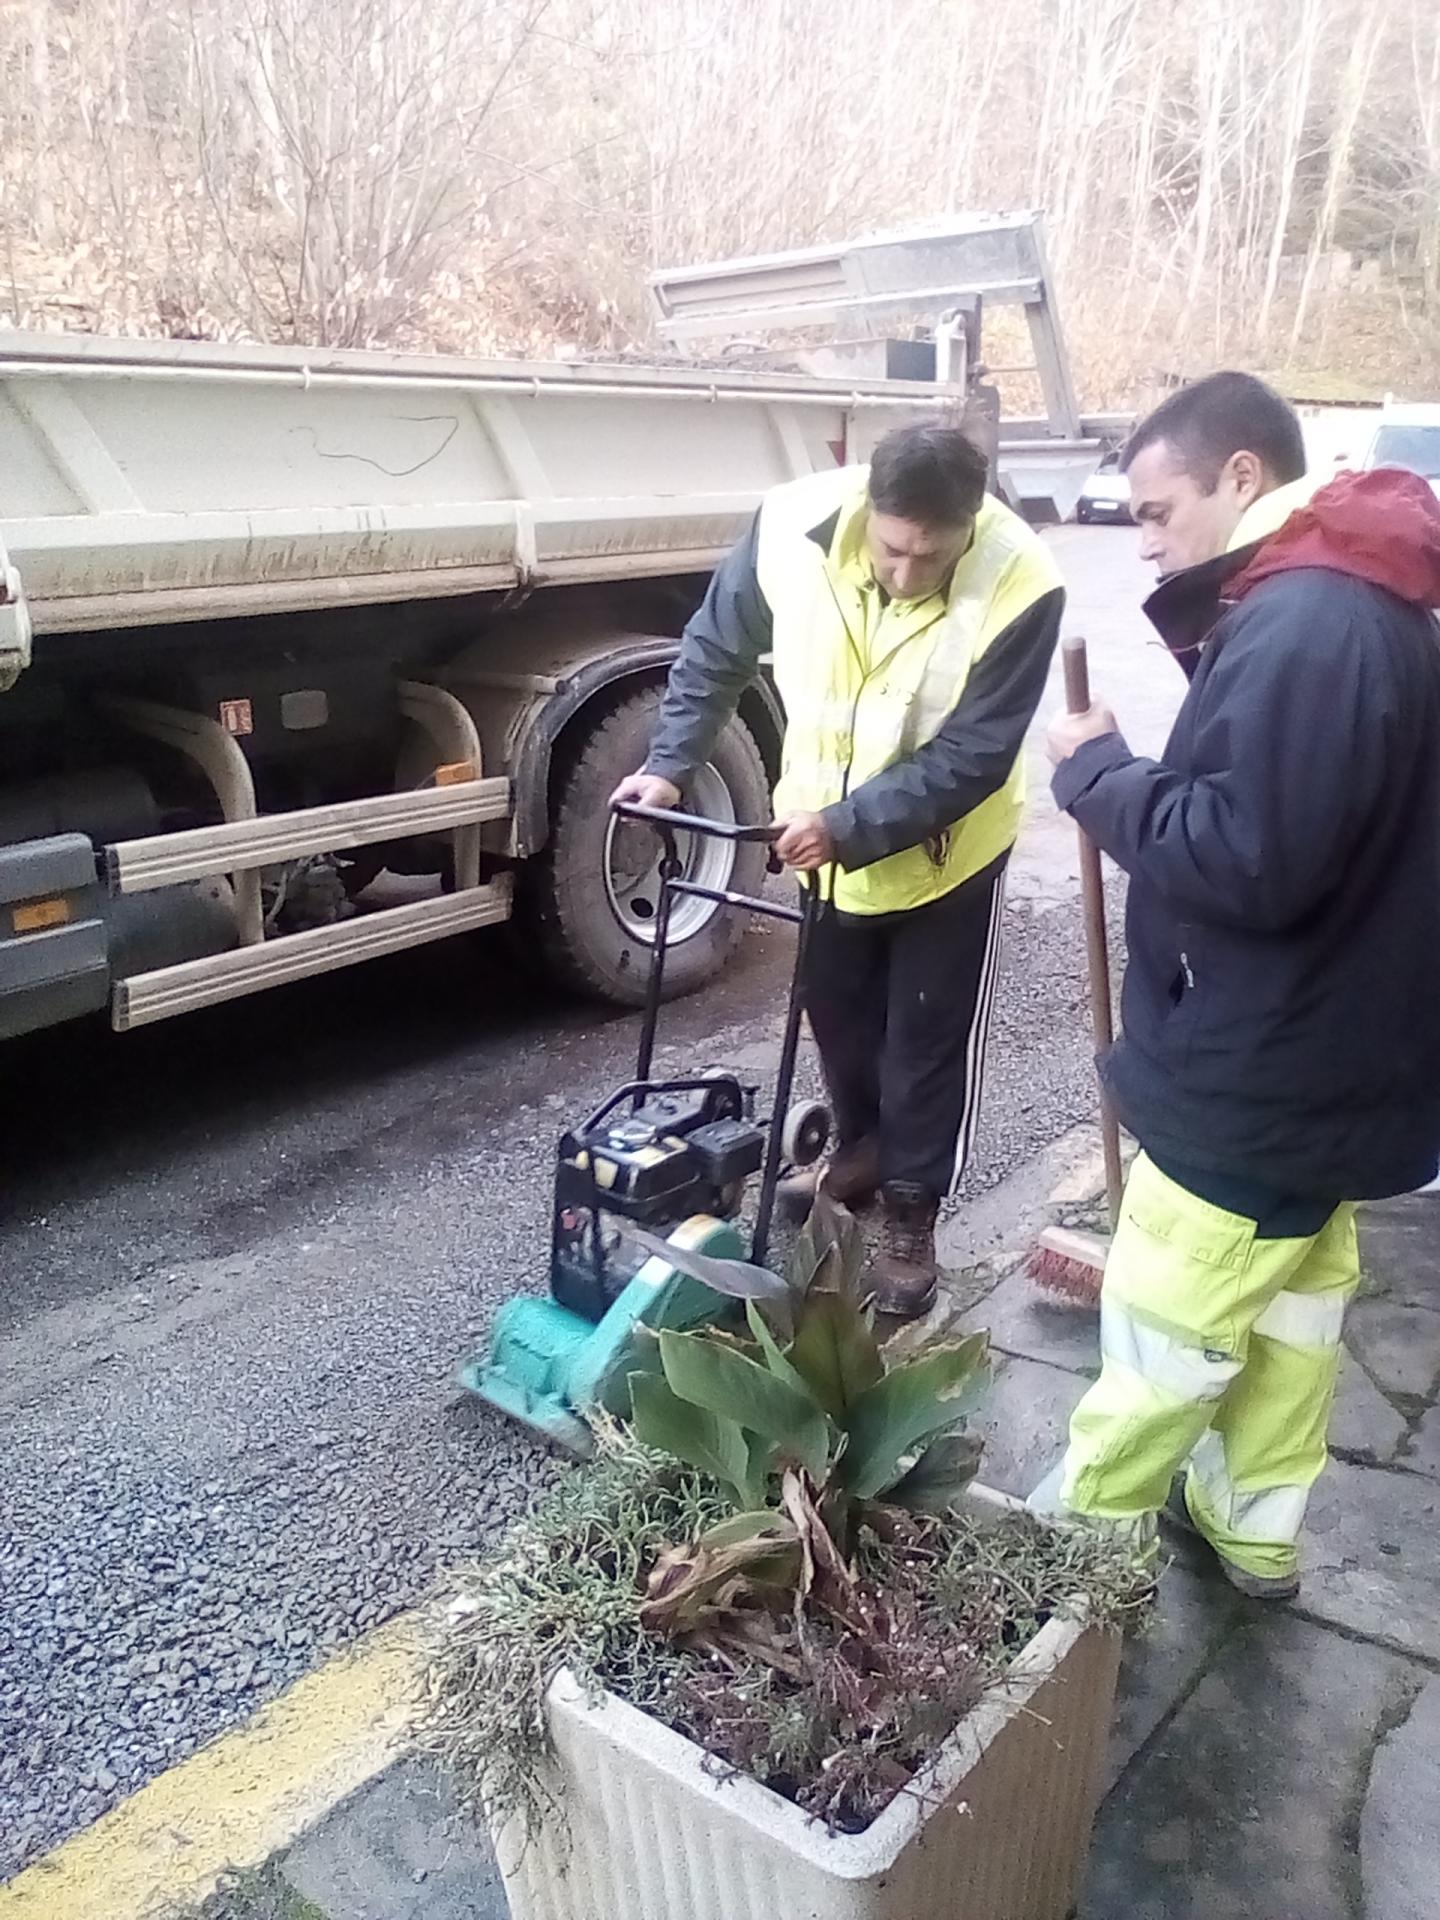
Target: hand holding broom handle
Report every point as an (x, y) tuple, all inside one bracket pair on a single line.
[(1097, 950)]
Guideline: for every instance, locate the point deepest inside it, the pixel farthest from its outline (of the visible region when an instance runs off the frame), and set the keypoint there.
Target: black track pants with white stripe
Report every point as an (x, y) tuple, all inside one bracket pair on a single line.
[(900, 1007)]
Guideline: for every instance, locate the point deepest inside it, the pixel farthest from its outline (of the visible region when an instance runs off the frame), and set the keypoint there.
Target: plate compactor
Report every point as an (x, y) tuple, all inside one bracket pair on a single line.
[(667, 1156)]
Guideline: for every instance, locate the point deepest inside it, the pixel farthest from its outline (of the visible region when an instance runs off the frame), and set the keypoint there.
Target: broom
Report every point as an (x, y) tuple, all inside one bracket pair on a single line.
[(1066, 1263)]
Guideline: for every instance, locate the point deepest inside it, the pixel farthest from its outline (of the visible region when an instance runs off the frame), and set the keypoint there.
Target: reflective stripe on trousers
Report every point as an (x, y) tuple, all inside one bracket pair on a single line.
[(1217, 1348)]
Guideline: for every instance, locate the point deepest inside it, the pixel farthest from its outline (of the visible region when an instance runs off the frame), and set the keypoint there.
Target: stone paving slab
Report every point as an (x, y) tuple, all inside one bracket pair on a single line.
[(396, 1851), (1400, 1826), (1195, 1613), (1371, 1558), (1364, 1424), (1019, 1319), (1024, 1421), (1423, 1453), (1398, 1345), (1400, 1249), (1246, 1804)]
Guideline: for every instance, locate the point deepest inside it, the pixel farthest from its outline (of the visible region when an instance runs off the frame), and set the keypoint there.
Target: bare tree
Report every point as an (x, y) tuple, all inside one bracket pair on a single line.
[(499, 174), (1355, 85), (1299, 69)]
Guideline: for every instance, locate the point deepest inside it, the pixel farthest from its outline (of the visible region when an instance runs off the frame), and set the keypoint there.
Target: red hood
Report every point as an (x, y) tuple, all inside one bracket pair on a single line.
[(1382, 526)]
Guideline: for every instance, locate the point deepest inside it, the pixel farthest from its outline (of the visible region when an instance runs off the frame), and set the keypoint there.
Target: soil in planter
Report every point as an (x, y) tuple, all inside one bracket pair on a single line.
[(950, 1605), (837, 1718), (858, 1716)]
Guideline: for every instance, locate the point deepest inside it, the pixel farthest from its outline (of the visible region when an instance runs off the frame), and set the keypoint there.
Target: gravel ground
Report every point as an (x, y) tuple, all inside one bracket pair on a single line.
[(242, 1257), (223, 1465)]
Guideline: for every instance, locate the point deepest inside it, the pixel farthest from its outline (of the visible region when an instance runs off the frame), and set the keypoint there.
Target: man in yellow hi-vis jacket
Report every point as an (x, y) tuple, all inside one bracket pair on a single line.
[(911, 619), (1281, 1049)]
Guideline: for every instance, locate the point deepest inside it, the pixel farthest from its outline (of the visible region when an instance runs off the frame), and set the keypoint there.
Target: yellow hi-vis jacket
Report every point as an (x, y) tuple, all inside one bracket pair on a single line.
[(905, 720)]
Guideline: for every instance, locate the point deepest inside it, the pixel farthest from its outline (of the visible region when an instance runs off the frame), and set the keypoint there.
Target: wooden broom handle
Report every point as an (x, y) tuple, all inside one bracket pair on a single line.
[(1097, 948), (1077, 674)]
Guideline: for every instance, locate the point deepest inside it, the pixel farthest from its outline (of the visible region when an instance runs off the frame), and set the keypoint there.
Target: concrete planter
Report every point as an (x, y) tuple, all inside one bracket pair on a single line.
[(997, 1828)]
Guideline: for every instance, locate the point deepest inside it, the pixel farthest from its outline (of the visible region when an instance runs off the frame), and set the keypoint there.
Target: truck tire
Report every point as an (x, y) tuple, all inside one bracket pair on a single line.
[(591, 893)]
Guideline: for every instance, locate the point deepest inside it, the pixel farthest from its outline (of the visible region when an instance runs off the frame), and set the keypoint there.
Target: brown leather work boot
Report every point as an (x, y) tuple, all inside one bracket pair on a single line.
[(850, 1176), (905, 1273)]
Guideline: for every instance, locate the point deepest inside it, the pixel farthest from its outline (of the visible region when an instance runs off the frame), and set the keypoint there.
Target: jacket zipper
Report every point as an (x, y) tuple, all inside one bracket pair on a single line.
[(864, 678), (866, 673)]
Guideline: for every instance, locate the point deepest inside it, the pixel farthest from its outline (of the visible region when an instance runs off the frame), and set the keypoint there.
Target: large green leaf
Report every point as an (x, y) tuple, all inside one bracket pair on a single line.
[(918, 1398), (835, 1352), (809, 1250), (764, 1458), (736, 1279), (709, 1441), (940, 1476), (728, 1383), (768, 1522), (829, 1251), (616, 1395), (775, 1360)]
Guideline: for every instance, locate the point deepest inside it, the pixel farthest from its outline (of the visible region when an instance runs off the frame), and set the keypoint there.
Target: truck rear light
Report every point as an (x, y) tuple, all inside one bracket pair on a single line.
[(36, 915)]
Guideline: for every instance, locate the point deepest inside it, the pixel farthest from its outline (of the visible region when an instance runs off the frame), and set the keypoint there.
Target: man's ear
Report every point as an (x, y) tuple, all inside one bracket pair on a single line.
[(1247, 470)]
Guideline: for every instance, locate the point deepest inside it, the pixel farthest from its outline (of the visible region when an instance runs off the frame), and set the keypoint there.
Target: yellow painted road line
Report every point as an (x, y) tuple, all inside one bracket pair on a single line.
[(235, 1802)]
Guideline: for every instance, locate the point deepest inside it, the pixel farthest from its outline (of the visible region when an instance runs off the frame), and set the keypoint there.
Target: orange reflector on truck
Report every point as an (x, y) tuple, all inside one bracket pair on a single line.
[(457, 771), (36, 915)]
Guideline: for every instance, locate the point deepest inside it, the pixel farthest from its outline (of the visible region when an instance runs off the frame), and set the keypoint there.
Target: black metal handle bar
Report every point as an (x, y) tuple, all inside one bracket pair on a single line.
[(667, 823), (724, 897), (746, 833)]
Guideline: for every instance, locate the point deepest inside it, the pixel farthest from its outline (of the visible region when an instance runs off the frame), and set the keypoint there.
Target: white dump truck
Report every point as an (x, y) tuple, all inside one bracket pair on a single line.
[(310, 656)]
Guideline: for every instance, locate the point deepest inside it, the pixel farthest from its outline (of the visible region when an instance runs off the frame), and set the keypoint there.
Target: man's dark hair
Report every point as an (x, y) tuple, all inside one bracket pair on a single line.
[(934, 475), (1224, 414)]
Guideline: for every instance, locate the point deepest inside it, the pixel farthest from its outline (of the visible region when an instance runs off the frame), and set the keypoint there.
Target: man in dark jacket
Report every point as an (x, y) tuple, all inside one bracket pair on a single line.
[(911, 619), (1281, 1049)]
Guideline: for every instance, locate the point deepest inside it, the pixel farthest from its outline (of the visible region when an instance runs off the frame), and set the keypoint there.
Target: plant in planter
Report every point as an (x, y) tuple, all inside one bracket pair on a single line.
[(761, 1658)]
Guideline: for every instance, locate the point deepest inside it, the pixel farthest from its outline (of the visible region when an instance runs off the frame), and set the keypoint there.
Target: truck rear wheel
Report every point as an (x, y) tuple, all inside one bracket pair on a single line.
[(595, 891)]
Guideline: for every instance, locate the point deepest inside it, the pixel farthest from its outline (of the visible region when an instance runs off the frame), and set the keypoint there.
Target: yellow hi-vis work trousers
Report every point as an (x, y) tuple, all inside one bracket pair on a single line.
[(1217, 1348)]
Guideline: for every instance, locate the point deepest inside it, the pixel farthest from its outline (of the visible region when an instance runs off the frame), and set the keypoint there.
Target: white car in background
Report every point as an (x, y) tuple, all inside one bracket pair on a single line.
[(1408, 436), (1106, 494)]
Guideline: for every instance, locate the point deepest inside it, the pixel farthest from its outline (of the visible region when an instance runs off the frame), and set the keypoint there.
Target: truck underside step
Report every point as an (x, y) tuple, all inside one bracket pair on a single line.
[(148, 997), (168, 859)]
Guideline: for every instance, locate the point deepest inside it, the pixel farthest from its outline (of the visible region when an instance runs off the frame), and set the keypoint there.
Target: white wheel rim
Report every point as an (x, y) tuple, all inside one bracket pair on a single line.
[(633, 852)]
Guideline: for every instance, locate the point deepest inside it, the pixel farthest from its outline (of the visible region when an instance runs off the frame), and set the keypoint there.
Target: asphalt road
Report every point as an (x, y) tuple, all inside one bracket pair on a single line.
[(240, 1257)]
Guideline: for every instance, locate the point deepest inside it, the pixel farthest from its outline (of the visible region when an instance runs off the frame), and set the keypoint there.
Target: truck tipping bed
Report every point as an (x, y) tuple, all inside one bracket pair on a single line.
[(149, 481)]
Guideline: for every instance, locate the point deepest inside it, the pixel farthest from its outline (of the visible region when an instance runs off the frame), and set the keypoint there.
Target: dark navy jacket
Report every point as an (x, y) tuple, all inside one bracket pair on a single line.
[(1282, 998)]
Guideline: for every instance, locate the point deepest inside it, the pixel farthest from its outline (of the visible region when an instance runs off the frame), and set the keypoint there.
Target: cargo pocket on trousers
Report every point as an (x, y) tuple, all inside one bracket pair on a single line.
[(1179, 1261)]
